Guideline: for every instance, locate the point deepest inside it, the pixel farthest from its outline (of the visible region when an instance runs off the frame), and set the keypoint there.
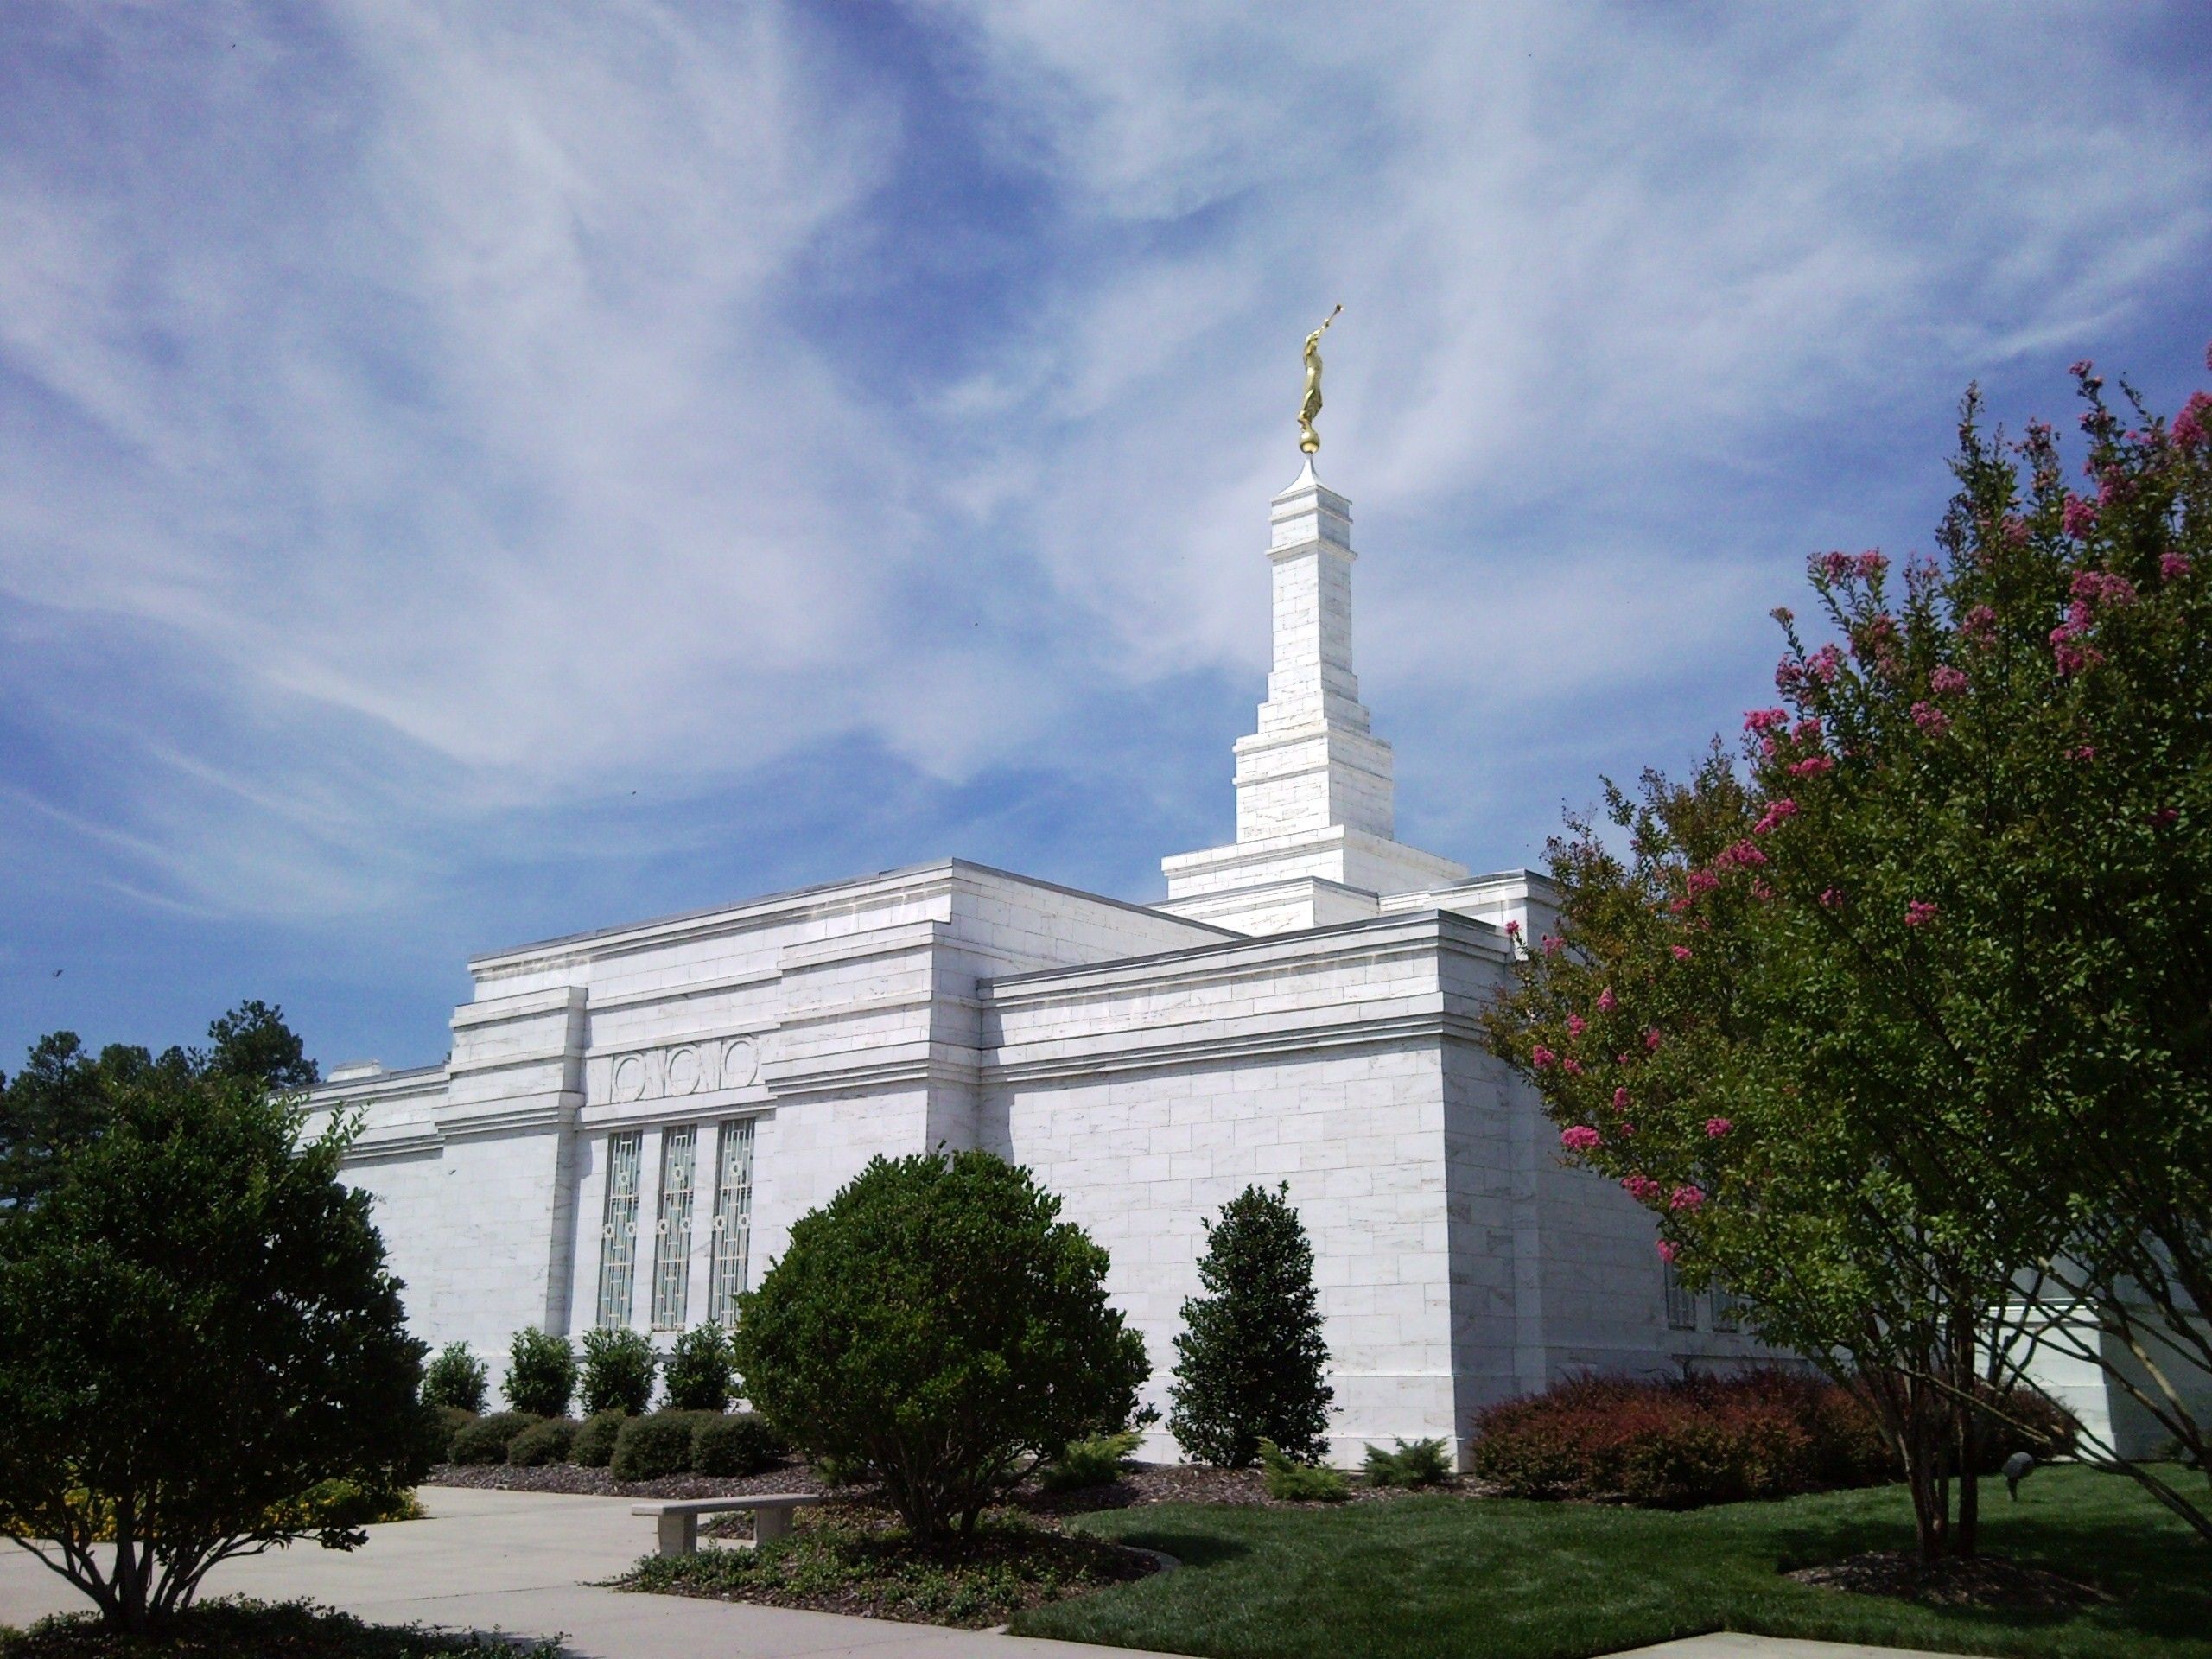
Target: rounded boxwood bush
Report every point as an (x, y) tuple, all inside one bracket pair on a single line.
[(543, 1443), (735, 1443), (446, 1422), (937, 1322), (698, 1376), (594, 1447), (654, 1445), (455, 1377), (541, 1373), (618, 1371), (486, 1440)]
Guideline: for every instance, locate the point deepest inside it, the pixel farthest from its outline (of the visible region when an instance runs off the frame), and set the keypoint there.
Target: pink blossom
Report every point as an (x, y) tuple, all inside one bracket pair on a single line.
[(1667, 1252), (1919, 912), (1682, 952), (1812, 766), (1806, 731), (1686, 1197), (1835, 566), (1743, 856), (1651, 1040), (1580, 1138), (1766, 719), (1576, 1025), (2087, 752), (1716, 1127), (1788, 676), (1553, 944), (2079, 518), (2165, 818), (2172, 567), (1703, 880), (1979, 625), (1513, 930), (1825, 664), (1623, 1060), (2190, 426), (1778, 812), (1572, 1066), (1606, 1001), (1540, 1057), (1930, 719), (2103, 587), (1620, 1097), (1946, 681), (1831, 899), (1642, 1188), (1871, 564), (1761, 891)]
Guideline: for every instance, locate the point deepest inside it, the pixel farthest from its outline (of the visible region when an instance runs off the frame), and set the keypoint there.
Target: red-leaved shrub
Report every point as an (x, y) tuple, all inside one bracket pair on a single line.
[(1678, 1443)]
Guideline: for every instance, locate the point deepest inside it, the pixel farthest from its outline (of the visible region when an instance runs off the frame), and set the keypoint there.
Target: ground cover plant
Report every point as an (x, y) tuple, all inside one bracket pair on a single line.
[(852, 1560), (938, 1323), (195, 1262), (1421, 1577), (1895, 1016), (228, 1629)]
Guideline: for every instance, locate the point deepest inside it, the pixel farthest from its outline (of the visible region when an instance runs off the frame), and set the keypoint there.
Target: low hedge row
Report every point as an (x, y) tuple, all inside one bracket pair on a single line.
[(1678, 1443), (645, 1447)]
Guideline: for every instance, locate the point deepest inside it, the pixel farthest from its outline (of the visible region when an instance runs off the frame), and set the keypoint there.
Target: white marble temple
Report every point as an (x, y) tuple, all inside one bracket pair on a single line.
[(631, 1119)]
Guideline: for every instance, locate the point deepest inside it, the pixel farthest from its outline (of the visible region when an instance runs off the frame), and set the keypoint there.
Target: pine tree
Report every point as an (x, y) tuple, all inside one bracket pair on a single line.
[(1250, 1360)]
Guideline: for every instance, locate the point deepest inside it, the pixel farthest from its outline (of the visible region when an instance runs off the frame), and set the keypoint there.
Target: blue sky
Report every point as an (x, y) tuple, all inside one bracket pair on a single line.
[(469, 474)]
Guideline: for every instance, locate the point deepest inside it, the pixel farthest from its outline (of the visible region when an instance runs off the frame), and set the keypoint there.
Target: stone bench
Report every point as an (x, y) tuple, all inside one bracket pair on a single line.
[(679, 1517)]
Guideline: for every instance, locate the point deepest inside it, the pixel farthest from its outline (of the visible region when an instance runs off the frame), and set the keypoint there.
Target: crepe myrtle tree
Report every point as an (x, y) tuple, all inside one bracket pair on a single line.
[(1897, 1019), (936, 1323), (197, 1330)]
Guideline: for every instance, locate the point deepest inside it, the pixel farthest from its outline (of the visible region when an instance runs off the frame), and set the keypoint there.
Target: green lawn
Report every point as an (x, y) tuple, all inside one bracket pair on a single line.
[(1501, 1579)]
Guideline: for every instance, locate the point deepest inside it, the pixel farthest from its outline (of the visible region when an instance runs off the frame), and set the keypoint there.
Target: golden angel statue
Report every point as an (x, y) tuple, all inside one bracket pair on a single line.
[(1308, 439)]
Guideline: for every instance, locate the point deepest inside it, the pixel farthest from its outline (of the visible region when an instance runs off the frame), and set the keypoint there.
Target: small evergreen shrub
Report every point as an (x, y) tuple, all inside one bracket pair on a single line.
[(731, 1443), (617, 1372), (1677, 1443), (541, 1373), (443, 1423), (455, 1378), (699, 1374), (654, 1446), (1095, 1460), (594, 1447), (1250, 1363), (1423, 1463), (486, 1440), (1301, 1483), (543, 1443)]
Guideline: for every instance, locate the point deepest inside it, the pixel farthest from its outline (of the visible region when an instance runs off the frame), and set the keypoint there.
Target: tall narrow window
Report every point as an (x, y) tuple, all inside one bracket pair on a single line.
[(1682, 1307), (618, 1235), (672, 1237), (1727, 1312), (733, 1220)]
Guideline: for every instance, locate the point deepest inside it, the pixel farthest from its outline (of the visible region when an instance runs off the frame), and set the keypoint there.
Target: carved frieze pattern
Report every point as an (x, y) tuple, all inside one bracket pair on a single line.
[(675, 1069)]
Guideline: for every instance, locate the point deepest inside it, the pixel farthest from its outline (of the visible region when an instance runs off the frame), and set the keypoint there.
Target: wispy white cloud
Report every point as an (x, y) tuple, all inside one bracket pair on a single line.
[(449, 391)]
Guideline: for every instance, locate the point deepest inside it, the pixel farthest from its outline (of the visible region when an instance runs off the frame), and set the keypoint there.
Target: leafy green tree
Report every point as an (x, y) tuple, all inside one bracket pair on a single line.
[(697, 1374), (1251, 1364), (1898, 1019), (197, 1330), (939, 1324), (253, 1041), (541, 1373), (456, 1378), (617, 1374)]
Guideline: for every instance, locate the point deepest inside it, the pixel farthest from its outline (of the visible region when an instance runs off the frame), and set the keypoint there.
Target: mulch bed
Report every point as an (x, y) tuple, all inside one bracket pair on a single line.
[(1145, 1483), (1978, 1581)]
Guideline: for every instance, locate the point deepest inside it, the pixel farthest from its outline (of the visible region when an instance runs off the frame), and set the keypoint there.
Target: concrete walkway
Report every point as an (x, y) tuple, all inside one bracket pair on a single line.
[(527, 1563)]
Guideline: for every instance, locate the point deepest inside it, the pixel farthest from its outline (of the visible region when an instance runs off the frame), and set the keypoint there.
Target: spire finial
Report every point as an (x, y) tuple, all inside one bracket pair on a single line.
[(1308, 439)]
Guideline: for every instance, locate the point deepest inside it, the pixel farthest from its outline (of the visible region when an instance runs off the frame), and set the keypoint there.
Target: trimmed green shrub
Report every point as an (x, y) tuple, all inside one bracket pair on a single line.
[(594, 1447), (731, 1443), (1094, 1460), (543, 1443), (939, 1322), (617, 1372), (486, 1440), (1301, 1483), (651, 1446), (699, 1374), (541, 1373), (1422, 1463), (445, 1422), (1676, 1443), (1250, 1363), (456, 1378)]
